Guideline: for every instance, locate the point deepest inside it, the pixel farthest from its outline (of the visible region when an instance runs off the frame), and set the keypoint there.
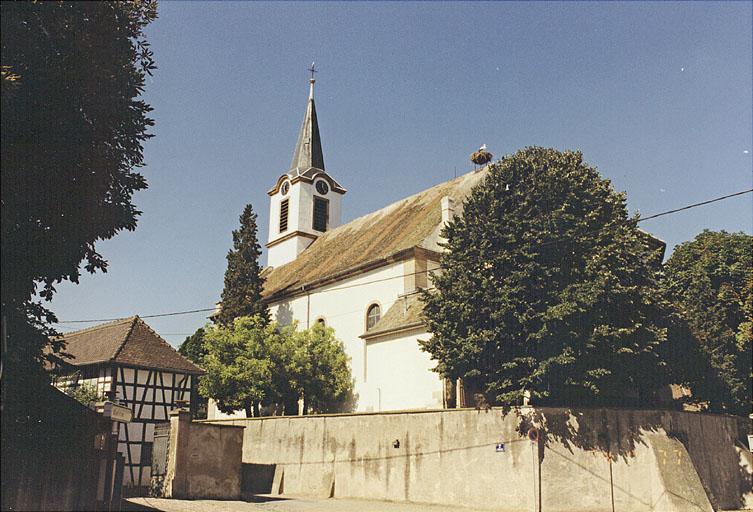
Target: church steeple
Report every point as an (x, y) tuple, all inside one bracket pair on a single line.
[(306, 201), (308, 151)]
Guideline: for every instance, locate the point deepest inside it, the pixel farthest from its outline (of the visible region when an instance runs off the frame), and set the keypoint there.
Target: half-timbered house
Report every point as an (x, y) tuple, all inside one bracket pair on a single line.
[(128, 361)]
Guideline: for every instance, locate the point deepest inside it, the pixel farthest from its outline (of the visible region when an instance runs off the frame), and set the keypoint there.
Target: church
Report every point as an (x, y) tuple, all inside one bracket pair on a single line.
[(361, 278)]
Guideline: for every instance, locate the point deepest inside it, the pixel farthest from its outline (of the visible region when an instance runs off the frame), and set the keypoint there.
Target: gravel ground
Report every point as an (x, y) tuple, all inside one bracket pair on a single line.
[(279, 504)]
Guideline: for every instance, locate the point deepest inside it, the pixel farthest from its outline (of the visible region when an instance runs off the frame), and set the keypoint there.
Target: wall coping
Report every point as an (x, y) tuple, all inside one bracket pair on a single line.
[(465, 409)]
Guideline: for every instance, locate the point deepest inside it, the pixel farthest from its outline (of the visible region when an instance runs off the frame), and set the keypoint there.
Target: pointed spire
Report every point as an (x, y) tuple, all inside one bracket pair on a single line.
[(308, 150)]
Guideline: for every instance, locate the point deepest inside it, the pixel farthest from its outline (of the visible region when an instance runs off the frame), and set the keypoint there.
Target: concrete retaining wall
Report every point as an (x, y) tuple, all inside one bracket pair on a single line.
[(204, 460), (585, 461)]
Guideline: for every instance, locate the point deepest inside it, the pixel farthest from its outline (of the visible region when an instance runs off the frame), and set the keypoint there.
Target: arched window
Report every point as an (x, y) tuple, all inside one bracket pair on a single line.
[(372, 316), (321, 321)]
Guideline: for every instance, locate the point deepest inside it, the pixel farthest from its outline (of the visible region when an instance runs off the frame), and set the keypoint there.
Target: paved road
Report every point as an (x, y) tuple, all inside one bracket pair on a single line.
[(280, 504)]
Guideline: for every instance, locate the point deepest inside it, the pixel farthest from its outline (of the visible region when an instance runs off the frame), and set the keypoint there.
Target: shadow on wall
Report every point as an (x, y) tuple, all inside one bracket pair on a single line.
[(284, 314), (257, 478), (617, 436)]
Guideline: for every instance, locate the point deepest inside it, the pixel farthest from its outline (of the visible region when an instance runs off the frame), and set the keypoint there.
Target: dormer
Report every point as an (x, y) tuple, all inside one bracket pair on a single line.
[(305, 201)]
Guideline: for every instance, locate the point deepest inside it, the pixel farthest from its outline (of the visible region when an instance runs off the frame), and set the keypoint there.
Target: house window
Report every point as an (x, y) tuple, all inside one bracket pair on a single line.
[(321, 214), (372, 316), (284, 215)]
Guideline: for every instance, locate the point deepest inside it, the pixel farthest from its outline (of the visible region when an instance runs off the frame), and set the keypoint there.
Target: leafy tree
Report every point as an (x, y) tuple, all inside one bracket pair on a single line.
[(252, 364), (238, 368), (86, 393), (243, 281), (547, 288), (320, 372), (72, 132), (288, 358), (710, 279), (193, 346)]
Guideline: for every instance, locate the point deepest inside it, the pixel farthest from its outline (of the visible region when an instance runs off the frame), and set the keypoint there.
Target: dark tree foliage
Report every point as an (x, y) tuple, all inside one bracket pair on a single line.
[(243, 280), (72, 134), (547, 288), (710, 280), (193, 346)]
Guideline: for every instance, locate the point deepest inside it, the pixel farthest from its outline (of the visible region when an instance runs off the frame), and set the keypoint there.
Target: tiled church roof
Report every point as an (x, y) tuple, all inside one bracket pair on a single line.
[(411, 222), (129, 341), (405, 313)]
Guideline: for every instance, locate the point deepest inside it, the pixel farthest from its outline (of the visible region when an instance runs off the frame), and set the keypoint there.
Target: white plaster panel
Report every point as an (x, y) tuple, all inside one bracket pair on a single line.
[(128, 374), (134, 431), (146, 412), (213, 413), (149, 434), (399, 374), (167, 379), (143, 376), (135, 453), (283, 252)]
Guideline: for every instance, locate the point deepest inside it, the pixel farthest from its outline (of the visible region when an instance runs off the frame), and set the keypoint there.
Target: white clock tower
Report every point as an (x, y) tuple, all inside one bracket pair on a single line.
[(305, 202)]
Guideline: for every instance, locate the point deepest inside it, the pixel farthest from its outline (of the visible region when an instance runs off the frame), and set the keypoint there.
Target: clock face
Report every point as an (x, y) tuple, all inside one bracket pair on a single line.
[(322, 187), (285, 187)]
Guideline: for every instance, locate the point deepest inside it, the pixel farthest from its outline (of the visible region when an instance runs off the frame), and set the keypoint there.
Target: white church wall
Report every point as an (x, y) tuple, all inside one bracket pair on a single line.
[(284, 252), (398, 374), (391, 372), (343, 307)]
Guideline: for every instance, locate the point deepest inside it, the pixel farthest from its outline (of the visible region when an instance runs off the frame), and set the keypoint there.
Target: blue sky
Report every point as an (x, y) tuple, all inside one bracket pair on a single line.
[(656, 95)]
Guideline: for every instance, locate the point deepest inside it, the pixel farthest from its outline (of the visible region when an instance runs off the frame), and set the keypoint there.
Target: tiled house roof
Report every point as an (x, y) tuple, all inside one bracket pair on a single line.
[(409, 223), (129, 341)]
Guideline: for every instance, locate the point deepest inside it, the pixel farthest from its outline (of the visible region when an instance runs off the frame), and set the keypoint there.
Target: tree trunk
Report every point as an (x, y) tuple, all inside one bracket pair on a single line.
[(247, 408), (256, 410), (305, 406)]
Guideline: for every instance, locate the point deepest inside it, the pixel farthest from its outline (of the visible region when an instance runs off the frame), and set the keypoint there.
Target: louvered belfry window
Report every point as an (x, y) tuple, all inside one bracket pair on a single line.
[(284, 215), (321, 213)]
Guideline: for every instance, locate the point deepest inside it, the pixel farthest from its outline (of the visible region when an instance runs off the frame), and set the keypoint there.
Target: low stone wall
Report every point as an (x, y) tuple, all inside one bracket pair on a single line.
[(203, 460), (586, 460)]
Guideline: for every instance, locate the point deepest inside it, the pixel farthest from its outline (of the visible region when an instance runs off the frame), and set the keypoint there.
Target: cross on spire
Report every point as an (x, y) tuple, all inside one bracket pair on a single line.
[(313, 70)]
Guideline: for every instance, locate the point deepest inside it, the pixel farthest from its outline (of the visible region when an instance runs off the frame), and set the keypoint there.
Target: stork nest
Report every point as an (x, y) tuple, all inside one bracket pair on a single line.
[(481, 157)]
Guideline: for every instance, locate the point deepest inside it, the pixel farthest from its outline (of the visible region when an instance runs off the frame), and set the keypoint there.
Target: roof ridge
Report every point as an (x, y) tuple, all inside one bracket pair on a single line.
[(99, 326), (134, 319), (162, 340)]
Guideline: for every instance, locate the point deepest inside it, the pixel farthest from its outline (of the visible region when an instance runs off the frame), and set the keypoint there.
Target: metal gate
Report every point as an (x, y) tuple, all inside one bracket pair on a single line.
[(160, 450)]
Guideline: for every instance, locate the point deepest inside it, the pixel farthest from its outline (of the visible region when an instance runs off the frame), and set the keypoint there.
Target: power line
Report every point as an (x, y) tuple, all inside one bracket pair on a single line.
[(695, 205), (660, 214), (140, 316), (402, 276)]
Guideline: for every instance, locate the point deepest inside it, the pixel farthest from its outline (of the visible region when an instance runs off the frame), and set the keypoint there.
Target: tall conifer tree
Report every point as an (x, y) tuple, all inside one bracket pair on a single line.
[(243, 280)]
